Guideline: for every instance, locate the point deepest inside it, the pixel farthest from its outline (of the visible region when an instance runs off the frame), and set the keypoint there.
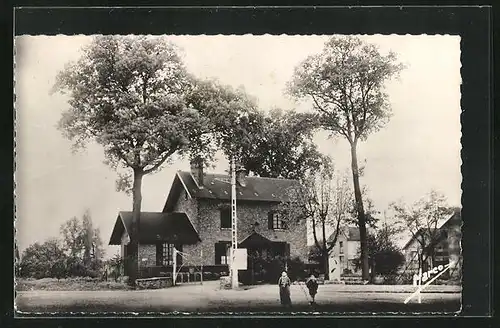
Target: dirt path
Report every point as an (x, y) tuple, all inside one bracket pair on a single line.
[(208, 298)]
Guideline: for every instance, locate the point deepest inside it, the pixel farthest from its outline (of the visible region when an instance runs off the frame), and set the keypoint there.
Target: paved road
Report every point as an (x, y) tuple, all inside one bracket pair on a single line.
[(208, 298)]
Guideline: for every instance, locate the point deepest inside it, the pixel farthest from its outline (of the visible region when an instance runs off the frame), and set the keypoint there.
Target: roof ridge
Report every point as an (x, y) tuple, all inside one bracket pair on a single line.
[(248, 177)]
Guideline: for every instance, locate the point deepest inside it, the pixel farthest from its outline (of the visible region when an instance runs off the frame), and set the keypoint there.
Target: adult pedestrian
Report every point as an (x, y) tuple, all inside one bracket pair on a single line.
[(284, 283)]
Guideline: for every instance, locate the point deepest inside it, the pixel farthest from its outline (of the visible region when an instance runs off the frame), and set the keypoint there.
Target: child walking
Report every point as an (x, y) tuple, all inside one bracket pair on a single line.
[(312, 285)]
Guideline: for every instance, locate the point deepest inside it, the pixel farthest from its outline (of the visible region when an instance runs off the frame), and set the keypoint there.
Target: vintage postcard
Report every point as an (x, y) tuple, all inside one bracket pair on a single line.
[(238, 174)]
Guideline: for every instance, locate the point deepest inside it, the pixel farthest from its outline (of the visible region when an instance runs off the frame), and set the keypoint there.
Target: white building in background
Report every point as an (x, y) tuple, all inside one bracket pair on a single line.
[(344, 253)]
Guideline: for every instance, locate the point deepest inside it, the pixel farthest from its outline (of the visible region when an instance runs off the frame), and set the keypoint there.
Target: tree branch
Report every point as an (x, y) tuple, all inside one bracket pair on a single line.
[(161, 161)]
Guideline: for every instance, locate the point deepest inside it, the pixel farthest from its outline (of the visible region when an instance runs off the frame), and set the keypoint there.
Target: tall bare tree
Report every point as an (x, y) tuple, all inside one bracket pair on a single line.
[(346, 84), (323, 199)]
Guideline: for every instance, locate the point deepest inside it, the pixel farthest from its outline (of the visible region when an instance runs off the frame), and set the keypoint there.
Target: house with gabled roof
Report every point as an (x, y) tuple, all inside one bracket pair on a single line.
[(442, 247), (196, 219), (344, 253)]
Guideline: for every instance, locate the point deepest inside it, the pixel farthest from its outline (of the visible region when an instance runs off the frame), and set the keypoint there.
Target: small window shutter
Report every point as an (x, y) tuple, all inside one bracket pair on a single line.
[(217, 254), (159, 250), (270, 220)]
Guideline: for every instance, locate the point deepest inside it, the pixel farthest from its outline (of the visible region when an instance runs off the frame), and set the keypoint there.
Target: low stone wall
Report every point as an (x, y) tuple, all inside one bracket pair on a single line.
[(154, 283), (225, 282)]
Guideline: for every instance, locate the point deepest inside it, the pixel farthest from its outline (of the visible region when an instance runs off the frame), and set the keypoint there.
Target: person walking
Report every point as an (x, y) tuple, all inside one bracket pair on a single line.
[(284, 283), (312, 285)]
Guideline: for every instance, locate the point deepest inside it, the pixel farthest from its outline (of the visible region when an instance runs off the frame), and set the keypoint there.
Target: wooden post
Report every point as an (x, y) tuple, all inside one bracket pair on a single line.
[(419, 284), (201, 276), (174, 265)]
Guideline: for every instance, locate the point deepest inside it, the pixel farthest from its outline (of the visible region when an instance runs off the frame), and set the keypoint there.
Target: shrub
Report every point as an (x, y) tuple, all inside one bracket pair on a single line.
[(43, 260)]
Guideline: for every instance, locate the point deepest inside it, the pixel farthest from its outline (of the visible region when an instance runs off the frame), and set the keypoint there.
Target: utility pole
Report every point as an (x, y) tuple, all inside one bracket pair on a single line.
[(234, 227)]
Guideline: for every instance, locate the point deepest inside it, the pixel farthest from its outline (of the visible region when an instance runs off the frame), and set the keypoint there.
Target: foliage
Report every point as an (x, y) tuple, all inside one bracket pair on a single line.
[(385, 257), (128, 94), (83, 246), (114, 267), (68, 284), (269, 268), (275, 145), (42, 260), (78, 253), (233, 121), (422, 220), (371, 219), (315, 254), (285, 148), (346, 84)]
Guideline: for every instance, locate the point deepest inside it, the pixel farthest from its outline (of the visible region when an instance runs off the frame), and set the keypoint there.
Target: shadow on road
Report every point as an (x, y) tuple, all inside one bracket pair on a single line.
[(345, 309)]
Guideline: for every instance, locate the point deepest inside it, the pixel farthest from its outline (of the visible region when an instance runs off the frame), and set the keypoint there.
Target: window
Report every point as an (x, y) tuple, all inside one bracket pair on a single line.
[(164, 254), (341, 246), (225, 218), (275, 221), (222, 252), (167, 258)]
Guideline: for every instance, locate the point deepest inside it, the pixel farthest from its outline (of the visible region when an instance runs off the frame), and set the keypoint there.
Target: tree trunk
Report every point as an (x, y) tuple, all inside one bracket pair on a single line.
[(361, 212), (133, 265), (373, 273), (326, 266)]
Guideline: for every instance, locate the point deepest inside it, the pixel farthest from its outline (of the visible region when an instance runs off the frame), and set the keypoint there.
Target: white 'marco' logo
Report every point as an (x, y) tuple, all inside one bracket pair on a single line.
[(426, 275)]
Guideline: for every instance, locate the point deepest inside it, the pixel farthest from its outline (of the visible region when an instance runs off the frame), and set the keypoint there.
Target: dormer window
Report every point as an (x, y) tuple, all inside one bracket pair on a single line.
[(276, 221)]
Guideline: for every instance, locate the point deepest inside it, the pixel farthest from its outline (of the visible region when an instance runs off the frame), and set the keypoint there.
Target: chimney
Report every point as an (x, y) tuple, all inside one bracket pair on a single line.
[(241, 176), (197, 170)]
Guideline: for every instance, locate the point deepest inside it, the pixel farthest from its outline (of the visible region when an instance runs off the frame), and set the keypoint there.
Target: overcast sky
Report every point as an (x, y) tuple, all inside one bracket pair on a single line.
[(418, 150)]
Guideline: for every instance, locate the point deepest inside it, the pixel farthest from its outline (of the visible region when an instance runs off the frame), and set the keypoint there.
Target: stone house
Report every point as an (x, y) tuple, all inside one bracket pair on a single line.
[(344, 253), (196, 220), (444, 249)]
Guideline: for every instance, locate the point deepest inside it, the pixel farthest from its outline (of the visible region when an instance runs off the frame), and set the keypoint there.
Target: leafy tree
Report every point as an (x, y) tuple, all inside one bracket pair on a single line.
[(384, 256), (285, 148), (233, 121), (42, 260), (422, 220), (127, 93), (72, 237), (323, 200), (315, 254), (83, 245), (346, 84)]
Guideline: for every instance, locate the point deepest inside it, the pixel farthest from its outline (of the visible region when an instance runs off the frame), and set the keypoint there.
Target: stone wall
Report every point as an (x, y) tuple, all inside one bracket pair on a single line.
[(249, 213), (147, 255), (188, 206), (154, 283)]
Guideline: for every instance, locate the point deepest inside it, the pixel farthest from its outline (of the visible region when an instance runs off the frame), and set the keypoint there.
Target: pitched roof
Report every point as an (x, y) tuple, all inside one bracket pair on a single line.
[(156, 227), (255, 239), (453, 219), (351, 233), (218, 186)]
